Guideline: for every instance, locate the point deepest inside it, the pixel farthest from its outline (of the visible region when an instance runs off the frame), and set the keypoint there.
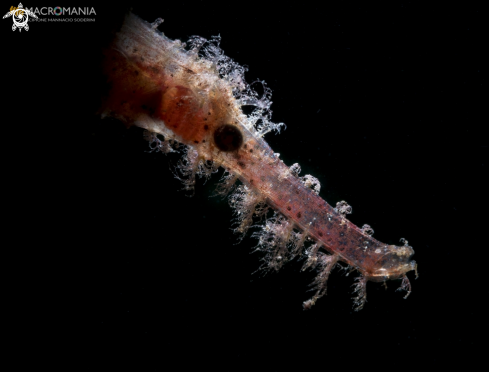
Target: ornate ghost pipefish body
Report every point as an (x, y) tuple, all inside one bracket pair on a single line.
[(194, 97)]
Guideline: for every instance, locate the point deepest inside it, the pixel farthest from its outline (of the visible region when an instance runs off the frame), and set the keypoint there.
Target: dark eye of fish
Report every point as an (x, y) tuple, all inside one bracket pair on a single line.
[(228, 138)]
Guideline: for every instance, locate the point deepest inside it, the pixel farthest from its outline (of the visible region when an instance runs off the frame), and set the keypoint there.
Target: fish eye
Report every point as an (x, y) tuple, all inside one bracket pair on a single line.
[(228, 138)]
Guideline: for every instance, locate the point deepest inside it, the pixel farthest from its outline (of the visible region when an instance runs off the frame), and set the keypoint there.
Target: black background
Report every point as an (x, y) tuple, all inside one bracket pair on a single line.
[(383, 103)]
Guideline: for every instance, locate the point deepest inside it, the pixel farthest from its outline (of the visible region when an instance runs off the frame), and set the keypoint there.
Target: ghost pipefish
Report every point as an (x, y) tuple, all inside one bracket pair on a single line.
[(192, 94)]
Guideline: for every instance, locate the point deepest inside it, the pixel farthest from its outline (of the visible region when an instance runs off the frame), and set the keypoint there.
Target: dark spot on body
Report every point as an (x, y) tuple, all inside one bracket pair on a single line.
[(299, 215), (296, 191), (288, 208), (341, 248), (208, 113), (206, 127), (320, 233), (251, 181), (196, 141), (241, 164), (136, 72), (251, 150), (245, 146), (228, 138)]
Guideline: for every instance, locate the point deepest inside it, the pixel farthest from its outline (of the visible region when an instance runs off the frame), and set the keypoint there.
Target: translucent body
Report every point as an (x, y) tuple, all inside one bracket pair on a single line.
[(196, 99)]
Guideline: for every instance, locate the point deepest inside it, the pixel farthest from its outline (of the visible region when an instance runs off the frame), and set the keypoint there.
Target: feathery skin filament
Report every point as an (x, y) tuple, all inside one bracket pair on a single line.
[(192, 96)]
